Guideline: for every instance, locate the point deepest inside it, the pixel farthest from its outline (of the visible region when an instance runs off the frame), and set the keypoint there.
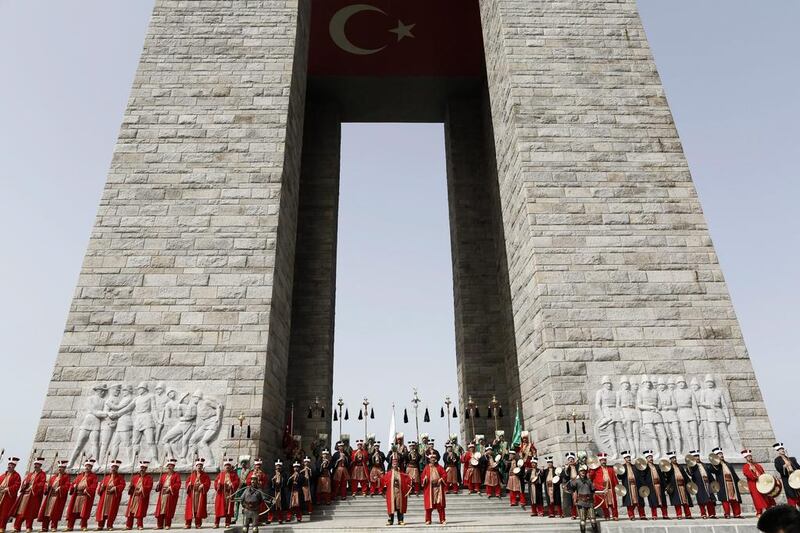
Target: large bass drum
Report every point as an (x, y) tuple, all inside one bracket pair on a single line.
[(769, 485)]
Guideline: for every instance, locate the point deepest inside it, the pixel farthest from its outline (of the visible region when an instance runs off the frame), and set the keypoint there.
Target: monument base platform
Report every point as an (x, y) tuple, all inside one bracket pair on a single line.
[(477, 513)]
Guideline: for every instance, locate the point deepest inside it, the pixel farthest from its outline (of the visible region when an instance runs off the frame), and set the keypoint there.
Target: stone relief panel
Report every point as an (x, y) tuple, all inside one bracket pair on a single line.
[(663, 414), (150, 422)]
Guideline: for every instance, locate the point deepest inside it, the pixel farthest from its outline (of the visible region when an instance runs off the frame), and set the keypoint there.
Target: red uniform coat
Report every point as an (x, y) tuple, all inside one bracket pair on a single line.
[(359, 459), (434, 485), (226, 484), (82, 499), (751, 472), (262, 478), (56, 499), (197, 486), (169, 490), (471, 474), (139, 495), (9, 486), (604, 479), (396, 497), (110, 490), (30, 496)]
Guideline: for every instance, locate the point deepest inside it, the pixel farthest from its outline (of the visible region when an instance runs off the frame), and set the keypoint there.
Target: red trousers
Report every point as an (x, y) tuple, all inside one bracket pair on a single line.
[(129, 522), (28, 520), (686, 508), (341, 488), (708, 509), (218, 518), (296, 512), (325, 498), (474, 487), (794, 502), (360, 484), (198, 523), (493, 491), (415, 487), (537, 509), (48, 524), (736, 506), (654, 511), (71, 522), (108, 522), (163, 521), (554, 510), (453, 488), (631, 508), (610, 511), (574, 511), (375, 487), (517, 497), (280, 516), (429, 513)]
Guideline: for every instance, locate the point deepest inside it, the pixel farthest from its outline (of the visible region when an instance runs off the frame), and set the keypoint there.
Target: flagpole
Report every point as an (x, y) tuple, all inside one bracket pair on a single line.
[(416, 402)]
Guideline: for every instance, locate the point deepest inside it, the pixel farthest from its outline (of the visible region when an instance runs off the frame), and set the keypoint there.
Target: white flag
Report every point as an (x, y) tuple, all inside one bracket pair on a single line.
[(391, 429)]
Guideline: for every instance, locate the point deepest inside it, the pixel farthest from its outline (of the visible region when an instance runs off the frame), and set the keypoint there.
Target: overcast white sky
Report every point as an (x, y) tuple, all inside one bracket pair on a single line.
[(67, 67)]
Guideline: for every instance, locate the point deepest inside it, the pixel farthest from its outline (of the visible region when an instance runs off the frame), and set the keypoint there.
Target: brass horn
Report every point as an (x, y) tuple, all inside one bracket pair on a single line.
[(691, 462)]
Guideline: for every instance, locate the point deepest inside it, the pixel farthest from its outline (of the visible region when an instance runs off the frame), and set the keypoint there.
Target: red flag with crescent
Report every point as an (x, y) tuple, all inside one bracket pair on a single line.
[(395, 38)]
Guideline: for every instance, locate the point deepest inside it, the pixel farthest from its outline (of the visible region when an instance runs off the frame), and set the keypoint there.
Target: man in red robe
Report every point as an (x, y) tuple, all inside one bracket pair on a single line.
[(472, 474), (197, 485), (258, 472), (55, 498), (434, 486), (9, 487), (226, 485), (139, 496), (396, 486), (359, 475), (605, 481), (81, 498), (526, 449), (168, 489), (110, 490), (30, 496), (751, 471)]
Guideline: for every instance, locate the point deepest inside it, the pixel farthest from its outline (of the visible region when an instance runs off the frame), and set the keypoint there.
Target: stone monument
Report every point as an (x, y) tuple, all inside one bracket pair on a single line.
[(584, 275)]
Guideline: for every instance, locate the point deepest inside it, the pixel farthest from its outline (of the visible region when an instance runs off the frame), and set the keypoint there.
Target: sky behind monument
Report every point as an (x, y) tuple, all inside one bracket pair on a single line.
[(67, 71)]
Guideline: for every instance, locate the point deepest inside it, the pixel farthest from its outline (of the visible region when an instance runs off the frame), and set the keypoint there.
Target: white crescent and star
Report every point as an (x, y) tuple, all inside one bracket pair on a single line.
[(339, 35)]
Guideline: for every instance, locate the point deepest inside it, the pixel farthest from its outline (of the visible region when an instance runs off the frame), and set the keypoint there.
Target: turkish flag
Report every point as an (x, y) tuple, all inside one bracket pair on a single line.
[(396, 38)]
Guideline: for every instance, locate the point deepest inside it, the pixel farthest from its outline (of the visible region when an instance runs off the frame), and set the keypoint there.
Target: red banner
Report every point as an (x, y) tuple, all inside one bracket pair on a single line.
[(395, 38)]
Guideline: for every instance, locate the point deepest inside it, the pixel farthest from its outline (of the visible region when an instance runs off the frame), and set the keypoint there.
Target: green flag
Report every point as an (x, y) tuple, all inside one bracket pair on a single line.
[(517, 437)]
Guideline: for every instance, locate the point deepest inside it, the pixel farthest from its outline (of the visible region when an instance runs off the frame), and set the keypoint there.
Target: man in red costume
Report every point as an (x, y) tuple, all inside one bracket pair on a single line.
[(359, 475), (412, 462), (341, 471), (139, 496), (168, 489), (434, 486), (197, 485), (9, 487), (472, 473), (226, 485), (110, 490), (451, 461), (82, 494), (258, 471), (491, 479), (397, 486), (30, 496), (751, 471), (605, 481), (526, 449), (55, 498)]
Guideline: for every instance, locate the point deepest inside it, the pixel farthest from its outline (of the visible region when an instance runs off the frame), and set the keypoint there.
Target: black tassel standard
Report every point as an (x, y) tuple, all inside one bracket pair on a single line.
[(372, 413), (427, 417), (489, 412), (360, 414), (233, 430), (583, 427), (248, 431), (501, 412), (441, 413), (323, 413), (466, 414), (567, 428), (346, 415), (335, 417), (405, 416), (477, 413), (309, 413), (455, 413)]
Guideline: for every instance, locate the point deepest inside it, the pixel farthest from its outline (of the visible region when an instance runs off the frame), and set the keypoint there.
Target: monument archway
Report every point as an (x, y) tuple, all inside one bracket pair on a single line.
[(583, 268)]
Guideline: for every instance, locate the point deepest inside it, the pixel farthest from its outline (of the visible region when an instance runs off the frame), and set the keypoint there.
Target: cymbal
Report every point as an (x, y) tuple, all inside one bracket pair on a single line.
[(715, 487), (744, 488), (620, 469), (714, 459), (690, 461), (692, 487), (593, 463), (644, 492), (664, 465), (641, 463), (621, 491)]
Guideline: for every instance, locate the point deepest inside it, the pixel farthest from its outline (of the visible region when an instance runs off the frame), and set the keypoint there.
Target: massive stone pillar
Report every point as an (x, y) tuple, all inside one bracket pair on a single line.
[(187, 281), (611, 266)]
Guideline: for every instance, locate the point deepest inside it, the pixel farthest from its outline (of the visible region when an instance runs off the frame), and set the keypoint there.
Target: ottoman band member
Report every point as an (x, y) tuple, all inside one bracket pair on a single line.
[(258, 471), (295, 497), (169, 490), (341, 471), (534, 478), (583, 493), (653, 479), (308, 475), (55, 498), (605, 481), (434, 486), (376, 469), (786, 465), (492, 476), (30, 496), (472, 473), (569, 473), (359, 474), (139, 496), (82, 496), (413, 460), (197, 485), (702, 477), (397, 486), (10, 483), (728, 482), (452, 472), (277, 487), (516, 475), (677, 489), (110, 491), (632, 480), (552, 491), (324, 481), (226, 485), (751, 470)]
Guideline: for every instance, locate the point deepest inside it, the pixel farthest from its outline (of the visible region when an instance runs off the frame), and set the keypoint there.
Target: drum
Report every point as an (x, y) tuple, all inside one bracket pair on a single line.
[(521, 462), (516, 470), (769, 485), (794, 479)]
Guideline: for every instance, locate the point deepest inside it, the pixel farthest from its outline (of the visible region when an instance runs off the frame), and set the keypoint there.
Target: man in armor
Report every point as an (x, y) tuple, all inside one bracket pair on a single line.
[(252, 500), (583, 493), (785, 465)]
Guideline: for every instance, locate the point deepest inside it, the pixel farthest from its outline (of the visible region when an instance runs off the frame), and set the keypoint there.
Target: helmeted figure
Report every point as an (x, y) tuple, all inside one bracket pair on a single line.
[(451, 462), (30, 496), (582, 490), (10, 482), (359, 473), (434, 486), (655, 481), (632, 479), (552, 490), (629, 414), (168, 489), (341, 470), (139, 496), (751, 470), (55, 500), (81, 500), (676, 481), (652, 423), (702, 477), (605, 481), (533, 477), (607, 420), (725, 475), (785, 465), (397, 486), (197, 486), (668, 408), (226, 485), (688, 414), (718, 415), (110, 490)]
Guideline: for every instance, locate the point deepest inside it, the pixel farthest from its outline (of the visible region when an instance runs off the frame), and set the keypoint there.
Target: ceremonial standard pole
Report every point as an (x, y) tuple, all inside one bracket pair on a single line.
[(340, 403), (448, 402), (366, 416), (416, 401)]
